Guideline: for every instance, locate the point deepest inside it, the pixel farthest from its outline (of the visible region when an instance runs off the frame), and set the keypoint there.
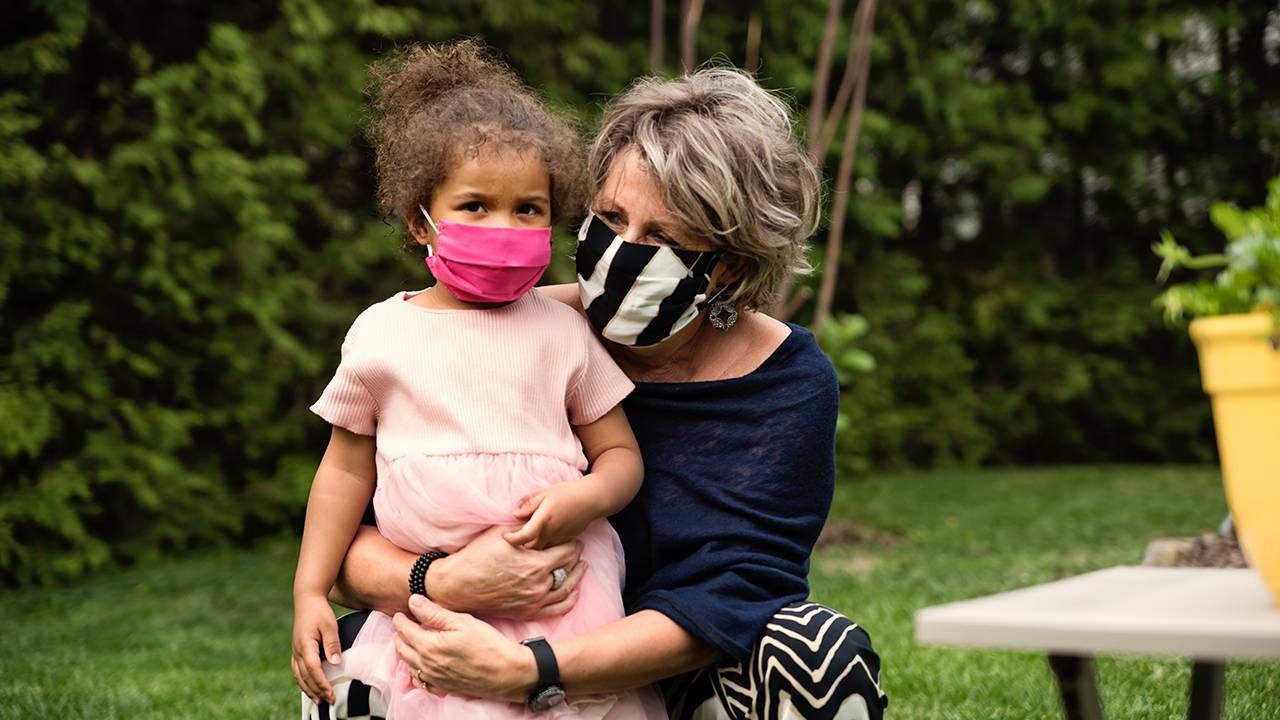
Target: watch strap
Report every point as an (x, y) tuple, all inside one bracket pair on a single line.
[(545, 658)]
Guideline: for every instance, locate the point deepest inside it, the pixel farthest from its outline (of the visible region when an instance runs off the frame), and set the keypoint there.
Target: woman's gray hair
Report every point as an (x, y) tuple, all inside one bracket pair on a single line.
[(722, 150)]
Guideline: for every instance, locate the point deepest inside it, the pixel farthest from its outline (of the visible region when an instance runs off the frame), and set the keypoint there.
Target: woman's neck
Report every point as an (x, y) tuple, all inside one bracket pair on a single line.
[(701, 352), (670, 361)]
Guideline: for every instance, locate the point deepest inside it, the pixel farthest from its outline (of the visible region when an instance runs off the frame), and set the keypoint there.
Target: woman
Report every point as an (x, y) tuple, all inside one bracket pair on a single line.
[(703, 204)]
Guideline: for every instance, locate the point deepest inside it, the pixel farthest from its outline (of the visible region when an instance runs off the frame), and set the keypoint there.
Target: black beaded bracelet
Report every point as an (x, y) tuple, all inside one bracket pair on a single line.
[(418, 574)]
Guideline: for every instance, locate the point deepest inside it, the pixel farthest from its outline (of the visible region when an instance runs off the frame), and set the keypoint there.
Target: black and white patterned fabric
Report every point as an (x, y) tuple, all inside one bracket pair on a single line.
[(639, 295), (355, 700), (812, 663)]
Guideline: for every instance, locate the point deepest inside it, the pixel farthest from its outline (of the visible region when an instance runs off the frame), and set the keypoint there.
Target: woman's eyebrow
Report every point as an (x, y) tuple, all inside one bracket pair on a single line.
[(674, 232), (650, 226), (610, 208)]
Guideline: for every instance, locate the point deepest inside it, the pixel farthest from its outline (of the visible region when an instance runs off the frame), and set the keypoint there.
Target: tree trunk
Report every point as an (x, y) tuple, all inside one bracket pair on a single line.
[(786, 305), (822, 80), (657, 36), (847, 83), (848, 152), (755, 26), (689, 34)]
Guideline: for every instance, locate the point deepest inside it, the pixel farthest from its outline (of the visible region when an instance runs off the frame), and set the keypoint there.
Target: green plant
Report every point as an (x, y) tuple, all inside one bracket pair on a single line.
[(1249, 279), (841, 337), (907, 398)]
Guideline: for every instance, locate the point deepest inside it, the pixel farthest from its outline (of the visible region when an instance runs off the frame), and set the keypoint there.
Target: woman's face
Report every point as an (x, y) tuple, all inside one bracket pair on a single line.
[(630, 203)]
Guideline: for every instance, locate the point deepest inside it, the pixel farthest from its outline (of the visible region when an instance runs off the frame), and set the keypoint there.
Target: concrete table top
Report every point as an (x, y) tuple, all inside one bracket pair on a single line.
[(1204, 613)]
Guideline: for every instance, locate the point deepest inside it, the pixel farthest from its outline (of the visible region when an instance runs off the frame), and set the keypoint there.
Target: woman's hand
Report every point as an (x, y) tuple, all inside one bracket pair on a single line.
[(450, 652), (491, 577)]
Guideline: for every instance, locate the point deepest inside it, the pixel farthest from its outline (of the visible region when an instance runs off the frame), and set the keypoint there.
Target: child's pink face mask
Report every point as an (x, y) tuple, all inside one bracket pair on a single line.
[(488, 264)]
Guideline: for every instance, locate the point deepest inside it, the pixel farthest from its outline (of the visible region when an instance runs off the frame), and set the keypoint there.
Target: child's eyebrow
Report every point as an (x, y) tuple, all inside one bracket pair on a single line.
[(471, 194)]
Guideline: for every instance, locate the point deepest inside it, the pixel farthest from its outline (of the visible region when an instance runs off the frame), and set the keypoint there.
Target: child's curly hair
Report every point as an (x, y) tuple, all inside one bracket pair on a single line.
[(432, 106)]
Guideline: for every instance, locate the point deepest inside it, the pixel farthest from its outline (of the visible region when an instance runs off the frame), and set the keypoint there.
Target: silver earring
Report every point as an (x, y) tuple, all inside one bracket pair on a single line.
[(723, 315)]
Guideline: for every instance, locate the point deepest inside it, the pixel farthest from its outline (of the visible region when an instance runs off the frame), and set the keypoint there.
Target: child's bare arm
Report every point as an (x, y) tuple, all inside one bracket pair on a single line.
[(614, 456), (341, 490), (561, 512)]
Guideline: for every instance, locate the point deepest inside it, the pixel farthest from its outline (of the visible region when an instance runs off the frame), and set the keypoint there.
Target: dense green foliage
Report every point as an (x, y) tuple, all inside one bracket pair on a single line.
[(187, 226)]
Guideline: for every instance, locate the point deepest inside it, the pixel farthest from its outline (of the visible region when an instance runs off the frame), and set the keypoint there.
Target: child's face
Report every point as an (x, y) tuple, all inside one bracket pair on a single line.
[(502, 188)]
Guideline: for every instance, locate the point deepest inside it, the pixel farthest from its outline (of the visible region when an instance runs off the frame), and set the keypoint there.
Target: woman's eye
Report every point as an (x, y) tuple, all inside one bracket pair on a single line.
[(664, 240), (613, 220)]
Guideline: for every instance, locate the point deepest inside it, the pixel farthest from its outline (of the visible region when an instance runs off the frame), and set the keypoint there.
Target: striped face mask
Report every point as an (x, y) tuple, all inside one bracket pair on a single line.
[(639, 295)]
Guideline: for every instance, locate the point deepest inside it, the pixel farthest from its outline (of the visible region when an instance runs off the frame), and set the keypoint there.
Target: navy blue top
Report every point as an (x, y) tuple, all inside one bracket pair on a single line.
[(738, 480)]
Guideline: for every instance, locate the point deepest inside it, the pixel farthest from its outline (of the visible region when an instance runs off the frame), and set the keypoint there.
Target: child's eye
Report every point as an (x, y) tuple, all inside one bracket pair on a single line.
[(529, 209), (474, 206)]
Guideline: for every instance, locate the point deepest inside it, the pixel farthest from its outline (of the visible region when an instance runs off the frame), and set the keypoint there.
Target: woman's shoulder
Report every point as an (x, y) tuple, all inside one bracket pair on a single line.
[(767, 332), (788, 348)]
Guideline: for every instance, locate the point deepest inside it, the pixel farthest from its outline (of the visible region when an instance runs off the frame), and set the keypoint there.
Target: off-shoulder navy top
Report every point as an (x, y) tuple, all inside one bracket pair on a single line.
[(739, 475)]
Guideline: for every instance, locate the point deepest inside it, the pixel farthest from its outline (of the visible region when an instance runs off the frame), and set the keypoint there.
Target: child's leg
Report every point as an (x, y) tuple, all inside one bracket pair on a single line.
[(356, 701)]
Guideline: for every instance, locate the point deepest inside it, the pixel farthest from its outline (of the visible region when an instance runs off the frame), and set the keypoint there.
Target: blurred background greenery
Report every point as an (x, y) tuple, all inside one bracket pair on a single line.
[(187, 227)]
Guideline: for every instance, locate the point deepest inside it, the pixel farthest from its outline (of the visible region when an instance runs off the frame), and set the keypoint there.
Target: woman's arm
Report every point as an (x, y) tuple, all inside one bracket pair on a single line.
[(487, 576), (635, 651), (375, 574), (458, 653), (567, 294)]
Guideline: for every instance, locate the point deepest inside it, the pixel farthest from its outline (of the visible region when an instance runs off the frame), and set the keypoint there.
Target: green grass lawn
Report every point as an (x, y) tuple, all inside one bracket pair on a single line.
[(969, 533), (208, 636)]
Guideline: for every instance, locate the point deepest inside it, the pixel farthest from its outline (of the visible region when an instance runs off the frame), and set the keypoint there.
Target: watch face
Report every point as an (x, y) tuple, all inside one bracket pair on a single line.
[(547, 697)]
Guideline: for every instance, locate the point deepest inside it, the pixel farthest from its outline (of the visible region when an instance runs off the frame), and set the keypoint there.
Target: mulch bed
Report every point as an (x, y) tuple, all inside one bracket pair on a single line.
[(846, 533), (1208, 550)]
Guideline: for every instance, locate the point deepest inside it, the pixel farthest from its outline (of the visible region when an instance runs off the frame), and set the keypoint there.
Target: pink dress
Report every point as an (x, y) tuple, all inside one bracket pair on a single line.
[(473, 411)]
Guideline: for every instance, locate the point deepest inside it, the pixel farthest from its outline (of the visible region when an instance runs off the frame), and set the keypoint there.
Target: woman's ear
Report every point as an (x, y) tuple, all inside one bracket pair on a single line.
[(419, 229), (728, 272)]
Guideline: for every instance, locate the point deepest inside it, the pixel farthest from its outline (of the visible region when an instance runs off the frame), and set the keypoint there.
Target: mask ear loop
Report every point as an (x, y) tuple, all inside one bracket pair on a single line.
[(711, 300), (432, 223)]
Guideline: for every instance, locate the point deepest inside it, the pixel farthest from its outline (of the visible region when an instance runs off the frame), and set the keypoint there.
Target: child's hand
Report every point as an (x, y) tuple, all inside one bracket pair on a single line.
[(314, 626), (557, 514)]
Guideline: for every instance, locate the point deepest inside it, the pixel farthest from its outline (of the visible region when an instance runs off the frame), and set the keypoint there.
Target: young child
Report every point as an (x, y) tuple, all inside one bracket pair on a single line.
[(475, 402)]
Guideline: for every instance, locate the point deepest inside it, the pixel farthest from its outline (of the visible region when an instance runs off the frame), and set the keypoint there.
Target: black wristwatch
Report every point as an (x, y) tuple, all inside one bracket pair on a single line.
[(547, 693)]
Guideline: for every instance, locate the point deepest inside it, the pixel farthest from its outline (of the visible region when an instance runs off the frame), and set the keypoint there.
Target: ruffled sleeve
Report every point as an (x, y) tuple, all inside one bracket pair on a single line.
[(598, 385), (346, 402)]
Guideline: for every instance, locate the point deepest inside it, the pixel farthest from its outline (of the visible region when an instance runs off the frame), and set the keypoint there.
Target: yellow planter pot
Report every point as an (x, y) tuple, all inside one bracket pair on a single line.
[(1241, 373)]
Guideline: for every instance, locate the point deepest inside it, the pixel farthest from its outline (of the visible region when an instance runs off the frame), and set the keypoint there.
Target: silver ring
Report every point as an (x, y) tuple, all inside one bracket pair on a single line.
[(558, 576)]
